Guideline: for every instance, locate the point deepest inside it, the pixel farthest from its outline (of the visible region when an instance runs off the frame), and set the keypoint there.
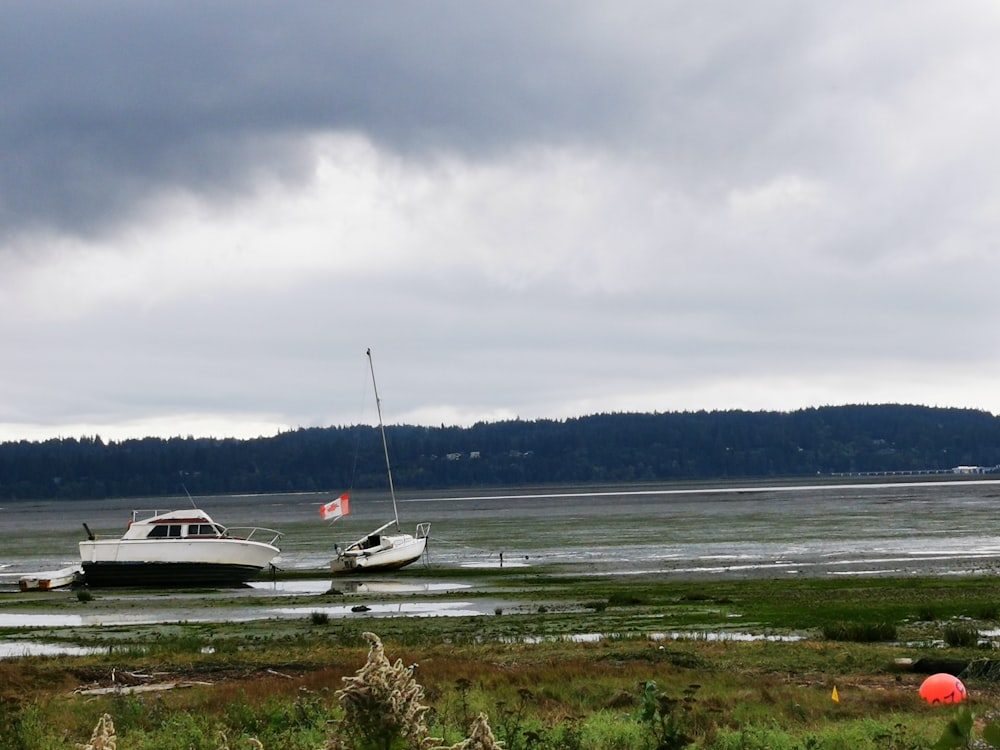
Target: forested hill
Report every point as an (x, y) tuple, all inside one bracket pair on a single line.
[(599, 448)]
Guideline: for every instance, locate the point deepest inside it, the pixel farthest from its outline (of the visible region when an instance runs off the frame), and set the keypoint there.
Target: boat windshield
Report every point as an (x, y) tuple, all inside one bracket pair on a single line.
[(178, 531)]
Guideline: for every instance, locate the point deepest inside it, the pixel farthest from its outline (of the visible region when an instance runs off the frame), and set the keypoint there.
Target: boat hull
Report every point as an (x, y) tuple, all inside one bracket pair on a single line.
[(173, 563), (406, 550), (166, 574), (47, 580)]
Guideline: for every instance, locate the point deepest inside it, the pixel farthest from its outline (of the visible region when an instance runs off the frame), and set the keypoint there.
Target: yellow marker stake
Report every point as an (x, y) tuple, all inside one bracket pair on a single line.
[(835, 697)]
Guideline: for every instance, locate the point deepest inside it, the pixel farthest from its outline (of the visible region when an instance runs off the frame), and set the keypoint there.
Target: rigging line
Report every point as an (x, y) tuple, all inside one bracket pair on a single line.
[(385, 444)]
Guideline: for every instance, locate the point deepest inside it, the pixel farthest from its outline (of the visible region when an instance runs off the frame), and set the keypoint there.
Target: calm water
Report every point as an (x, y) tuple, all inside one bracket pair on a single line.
[(940, 527)]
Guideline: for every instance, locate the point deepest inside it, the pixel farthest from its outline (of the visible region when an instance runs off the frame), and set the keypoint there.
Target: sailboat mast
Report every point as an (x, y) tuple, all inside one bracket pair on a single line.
[(385, 444)]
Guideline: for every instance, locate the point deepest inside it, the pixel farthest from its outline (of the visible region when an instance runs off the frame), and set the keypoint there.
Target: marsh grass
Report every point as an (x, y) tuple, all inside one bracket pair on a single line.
[(537, 696), (860, 632), (276, 680), (987, 611), (961, 635)]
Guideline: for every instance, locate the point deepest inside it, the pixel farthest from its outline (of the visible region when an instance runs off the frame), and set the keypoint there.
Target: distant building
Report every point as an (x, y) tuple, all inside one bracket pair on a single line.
[(458, 456), (970, 470)]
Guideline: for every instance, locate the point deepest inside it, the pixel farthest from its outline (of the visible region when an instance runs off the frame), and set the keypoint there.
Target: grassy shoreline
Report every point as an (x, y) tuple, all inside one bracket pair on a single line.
[(529, 667)]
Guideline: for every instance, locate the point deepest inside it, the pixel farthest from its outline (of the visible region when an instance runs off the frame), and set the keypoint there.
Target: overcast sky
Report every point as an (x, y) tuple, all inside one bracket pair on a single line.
[(209, 210)]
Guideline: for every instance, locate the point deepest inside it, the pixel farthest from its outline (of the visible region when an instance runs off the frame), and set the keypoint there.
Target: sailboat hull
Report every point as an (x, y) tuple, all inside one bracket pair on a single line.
[(393, 551)]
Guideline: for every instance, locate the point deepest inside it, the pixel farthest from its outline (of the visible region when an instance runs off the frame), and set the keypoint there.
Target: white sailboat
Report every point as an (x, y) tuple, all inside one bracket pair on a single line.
[(388, 547)]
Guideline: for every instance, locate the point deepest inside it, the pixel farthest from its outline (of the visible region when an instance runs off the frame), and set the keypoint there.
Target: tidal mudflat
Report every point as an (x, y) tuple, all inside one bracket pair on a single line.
[(532, 550), (816, 529)]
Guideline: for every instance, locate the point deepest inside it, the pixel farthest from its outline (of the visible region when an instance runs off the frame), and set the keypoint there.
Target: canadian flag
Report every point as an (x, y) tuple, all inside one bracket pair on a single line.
[(335, 508)]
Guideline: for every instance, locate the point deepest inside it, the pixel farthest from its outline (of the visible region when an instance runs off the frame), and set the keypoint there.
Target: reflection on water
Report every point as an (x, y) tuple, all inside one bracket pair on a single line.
[(174, 615), (22, 620), (151, 616), (290, 587), (158, 606), (678, 635), (146, 617), (14, 649), (374, 586), (409, 609), (345, 586)]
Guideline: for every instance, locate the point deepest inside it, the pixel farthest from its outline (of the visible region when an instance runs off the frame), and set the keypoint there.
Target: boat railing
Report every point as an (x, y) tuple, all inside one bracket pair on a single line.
[(423, 530), (248, 532)]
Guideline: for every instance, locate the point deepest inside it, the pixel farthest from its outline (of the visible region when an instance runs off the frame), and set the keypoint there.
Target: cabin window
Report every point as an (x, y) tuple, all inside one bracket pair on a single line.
[(203, 530), (174, 531), (157, 532)]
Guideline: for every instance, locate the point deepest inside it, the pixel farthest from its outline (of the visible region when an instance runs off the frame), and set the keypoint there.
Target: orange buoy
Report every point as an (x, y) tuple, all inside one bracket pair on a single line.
[(943, 688)]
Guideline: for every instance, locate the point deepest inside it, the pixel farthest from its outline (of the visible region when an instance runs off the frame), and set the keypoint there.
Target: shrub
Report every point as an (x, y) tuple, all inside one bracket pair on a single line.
[(926, 613), (860, 632), (666, 717), (961, 635), (21, 727), (988, 611)]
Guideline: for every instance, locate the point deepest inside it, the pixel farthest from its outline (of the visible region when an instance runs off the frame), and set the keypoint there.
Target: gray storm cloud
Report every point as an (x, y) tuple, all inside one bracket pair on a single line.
[(204, 207)]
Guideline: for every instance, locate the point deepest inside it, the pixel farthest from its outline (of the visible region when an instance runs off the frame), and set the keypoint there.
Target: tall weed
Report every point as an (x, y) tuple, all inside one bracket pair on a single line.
[(961, 635), (860, 632)]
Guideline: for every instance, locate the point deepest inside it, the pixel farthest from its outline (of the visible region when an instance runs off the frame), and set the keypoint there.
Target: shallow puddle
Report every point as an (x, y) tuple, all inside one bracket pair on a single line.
[(409, 609), (344, 586), (15, 649), (679, 635)]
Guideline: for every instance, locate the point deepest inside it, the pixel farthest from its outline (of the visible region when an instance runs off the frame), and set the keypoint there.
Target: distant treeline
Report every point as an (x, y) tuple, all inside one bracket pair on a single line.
[(599, 448)]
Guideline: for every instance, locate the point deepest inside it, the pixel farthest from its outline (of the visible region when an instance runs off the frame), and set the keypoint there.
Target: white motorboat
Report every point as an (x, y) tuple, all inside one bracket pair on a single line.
[(177, 548), (50, 579), (380, 550)]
